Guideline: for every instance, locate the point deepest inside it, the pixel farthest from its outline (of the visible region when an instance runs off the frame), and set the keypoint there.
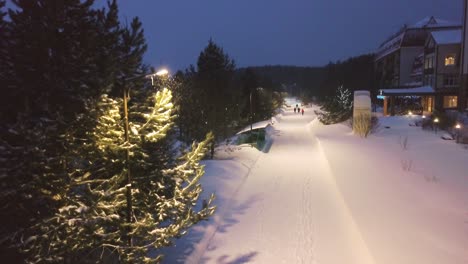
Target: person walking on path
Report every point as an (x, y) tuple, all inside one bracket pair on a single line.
[(294, 109), (302, 111)]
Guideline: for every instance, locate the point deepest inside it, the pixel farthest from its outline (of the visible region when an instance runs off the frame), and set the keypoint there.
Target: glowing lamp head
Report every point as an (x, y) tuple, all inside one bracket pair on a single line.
[(410, 113), (162, 72), (436, 120), (457, 126)]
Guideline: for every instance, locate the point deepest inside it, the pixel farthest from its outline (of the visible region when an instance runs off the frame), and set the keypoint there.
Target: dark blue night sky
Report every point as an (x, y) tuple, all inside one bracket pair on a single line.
[(259, 32)]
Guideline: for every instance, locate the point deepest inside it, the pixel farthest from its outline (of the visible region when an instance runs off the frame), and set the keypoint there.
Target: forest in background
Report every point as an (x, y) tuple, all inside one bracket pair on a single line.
[(355, 73)]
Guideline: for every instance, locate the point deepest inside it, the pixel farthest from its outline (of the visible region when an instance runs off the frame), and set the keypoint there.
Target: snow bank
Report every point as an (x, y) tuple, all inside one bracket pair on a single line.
[(224, 176), (406, 189), (258, 125)]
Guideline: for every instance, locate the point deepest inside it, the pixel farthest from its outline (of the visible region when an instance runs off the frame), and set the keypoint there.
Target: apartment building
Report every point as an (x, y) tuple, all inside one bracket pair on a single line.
[(442, 54), (463, 93), (395, 57), (423, 60)]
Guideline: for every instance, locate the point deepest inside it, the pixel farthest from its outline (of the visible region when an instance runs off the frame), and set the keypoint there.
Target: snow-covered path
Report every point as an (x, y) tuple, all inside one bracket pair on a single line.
[(289, 209)]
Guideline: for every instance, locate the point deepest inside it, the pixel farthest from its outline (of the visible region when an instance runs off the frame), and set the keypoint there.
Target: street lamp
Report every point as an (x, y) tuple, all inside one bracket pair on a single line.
[(161, 73), (436, 122), (457, 128), (251, 114), (128, 186), (251, 118)]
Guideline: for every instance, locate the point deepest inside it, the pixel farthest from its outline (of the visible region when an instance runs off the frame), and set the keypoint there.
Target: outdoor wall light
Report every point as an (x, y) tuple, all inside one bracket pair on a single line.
[(457, 128)]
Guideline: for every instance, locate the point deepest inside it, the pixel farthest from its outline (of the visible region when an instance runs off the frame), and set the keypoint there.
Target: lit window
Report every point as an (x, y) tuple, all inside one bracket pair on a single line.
[(450, 101), (450, 60)]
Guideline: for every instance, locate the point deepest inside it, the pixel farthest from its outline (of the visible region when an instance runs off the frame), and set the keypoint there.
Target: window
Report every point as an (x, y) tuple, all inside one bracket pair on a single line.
[(450, 60), (429, 80), (450, 80), (430, 104), (429, 62), (450, 101)]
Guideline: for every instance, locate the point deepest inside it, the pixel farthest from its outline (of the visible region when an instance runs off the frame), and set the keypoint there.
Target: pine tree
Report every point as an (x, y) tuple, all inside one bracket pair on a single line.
[(131, 50), (336, 109), (190, 112), (93, 218), (62, 156), (344, 99), (46, 81), (5, 65), (249, 94), (51, 56), (265, 104), (108, 47), (215, 95), (33, 172)]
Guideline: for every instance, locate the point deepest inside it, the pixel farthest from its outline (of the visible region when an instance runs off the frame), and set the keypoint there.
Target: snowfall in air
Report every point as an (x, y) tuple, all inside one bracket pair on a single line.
[(320, 194)]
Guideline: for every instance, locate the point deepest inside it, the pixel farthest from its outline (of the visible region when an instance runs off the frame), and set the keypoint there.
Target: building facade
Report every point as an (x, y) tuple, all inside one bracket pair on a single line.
[(424, 60), (395, 58), (463, 93), (442, 55)]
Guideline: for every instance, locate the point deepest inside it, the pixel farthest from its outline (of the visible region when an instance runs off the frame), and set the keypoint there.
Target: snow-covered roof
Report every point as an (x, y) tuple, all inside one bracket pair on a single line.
[(394, 43), (432, 22), (408, 91), (390, 46), (414, 83), (447, 36)]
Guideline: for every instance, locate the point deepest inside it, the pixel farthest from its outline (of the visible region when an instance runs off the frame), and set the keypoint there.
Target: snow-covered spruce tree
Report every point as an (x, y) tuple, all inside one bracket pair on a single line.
[(92, 224), (336, 109), (33, 173)]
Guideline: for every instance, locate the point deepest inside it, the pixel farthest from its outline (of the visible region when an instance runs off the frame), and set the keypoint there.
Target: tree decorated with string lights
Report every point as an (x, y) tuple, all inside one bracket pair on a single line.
[(337, 108)]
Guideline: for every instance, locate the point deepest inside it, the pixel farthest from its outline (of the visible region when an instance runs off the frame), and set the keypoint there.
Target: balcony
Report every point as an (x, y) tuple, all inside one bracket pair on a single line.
[(428, 51), (428, 71)]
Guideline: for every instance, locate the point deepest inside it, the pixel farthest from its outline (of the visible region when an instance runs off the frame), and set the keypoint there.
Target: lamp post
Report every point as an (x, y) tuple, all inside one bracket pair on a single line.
[(251, 111), (126, 92), (251, 117), (436, 124), (457, 128)]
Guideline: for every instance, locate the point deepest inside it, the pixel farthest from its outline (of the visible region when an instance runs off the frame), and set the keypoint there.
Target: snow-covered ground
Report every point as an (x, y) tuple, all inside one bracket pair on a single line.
[(410, 203), (323, 195)]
